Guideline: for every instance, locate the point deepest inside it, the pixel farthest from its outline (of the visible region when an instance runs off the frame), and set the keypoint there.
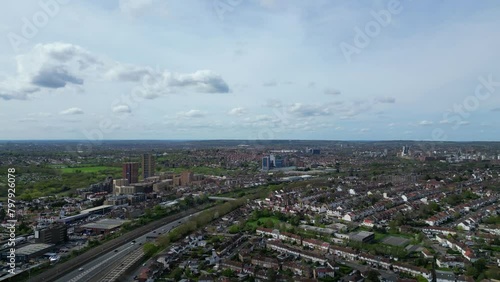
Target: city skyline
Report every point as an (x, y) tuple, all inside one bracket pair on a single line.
[(250, 70)]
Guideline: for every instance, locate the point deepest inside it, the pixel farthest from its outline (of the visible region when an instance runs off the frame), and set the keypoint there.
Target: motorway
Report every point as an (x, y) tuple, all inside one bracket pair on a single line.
[(102, 263)]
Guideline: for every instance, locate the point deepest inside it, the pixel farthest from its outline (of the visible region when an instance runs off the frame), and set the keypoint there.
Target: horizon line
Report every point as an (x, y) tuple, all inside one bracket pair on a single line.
[(249, 140)]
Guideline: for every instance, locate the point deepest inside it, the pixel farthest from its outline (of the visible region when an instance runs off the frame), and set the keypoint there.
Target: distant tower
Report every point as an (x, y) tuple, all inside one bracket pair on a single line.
[(148, 165), (272, 161), (130, 172), (266, 163), (406, 151)]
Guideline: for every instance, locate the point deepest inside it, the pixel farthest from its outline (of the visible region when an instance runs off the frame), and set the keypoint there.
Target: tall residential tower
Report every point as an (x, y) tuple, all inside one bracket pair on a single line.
[(148, 165), (130, 172)]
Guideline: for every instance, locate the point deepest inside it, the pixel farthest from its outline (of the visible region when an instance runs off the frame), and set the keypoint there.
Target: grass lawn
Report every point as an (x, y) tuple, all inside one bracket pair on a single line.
[(379, 236), (254, 224), (89, 169)]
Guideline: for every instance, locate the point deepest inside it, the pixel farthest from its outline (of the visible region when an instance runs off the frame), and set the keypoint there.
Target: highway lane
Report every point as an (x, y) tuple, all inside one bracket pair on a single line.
[(101, 263)]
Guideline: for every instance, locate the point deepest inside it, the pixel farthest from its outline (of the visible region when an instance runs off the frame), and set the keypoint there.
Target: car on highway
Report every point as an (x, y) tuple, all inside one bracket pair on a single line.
[(80, 269), (116, 251)]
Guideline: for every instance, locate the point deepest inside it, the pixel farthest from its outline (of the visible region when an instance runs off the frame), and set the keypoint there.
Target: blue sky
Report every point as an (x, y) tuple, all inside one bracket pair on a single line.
[(250, 69)]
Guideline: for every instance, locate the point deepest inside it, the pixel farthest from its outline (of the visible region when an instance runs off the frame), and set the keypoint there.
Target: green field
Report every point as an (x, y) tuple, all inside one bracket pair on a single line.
[(88, 169), (263, 220), (38, 181)]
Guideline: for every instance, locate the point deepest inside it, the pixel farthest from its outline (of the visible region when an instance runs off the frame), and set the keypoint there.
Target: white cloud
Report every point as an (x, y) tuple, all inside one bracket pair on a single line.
[(122, 109), (425, 123), (191, 114), (60, 65), (303, 110), (239, 111), (72, 111), (167, 64)]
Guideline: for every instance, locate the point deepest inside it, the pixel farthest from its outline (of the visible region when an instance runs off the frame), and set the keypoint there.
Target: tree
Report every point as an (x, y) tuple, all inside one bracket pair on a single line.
[(150, 249), (372, 276), (271, 275), (269, 223), (177, 274), (228, 272), (234, 229), (480, 265), (23, 228)]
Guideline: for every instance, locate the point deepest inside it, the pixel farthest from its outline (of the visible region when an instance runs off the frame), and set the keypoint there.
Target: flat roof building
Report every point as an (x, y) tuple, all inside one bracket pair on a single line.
[(362, 236), (54, 234), (31, 251), (103, 226), (97, 210)]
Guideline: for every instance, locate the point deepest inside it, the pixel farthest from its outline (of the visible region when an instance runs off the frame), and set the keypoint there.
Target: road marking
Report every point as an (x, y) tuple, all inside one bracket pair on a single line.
[(86, 272)]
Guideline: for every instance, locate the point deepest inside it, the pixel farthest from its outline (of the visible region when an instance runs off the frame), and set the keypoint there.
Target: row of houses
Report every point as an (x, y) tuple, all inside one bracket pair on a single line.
[(297, 269), (350, 254), (293, 238), (276, 245), (465, 250), (468, 224)]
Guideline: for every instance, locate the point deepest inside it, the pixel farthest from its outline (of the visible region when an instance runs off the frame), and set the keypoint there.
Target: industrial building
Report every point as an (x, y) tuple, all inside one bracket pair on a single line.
[(103, 226), (53, 234), (86, 213), (31, 251)]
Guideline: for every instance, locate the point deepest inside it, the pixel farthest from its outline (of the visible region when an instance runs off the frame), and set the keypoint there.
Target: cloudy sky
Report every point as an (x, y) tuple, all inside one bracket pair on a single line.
[(250, 69)]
